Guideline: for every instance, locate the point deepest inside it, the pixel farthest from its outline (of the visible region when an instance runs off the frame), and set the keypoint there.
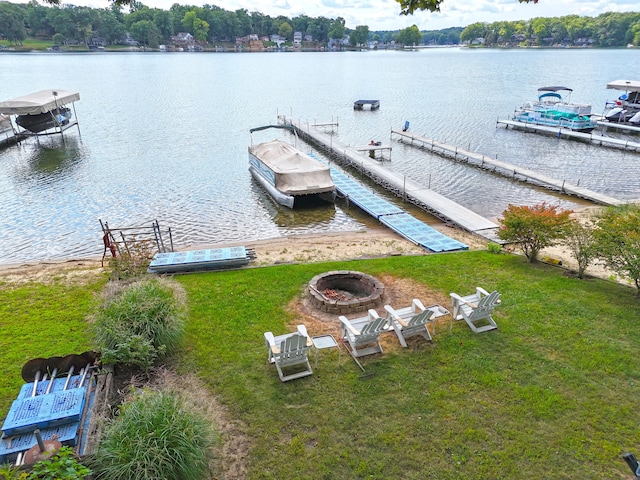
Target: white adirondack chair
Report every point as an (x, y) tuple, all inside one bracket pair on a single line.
[(414, 320), (476, 309), (289, 351), (363, 334)]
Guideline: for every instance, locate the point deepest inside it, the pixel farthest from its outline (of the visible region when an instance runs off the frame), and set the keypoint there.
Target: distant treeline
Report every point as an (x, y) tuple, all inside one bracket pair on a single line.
[(212, 25), (606, 30)]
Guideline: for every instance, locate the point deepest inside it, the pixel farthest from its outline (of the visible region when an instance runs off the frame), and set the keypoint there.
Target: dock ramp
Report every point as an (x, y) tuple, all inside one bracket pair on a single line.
[(394, 217)]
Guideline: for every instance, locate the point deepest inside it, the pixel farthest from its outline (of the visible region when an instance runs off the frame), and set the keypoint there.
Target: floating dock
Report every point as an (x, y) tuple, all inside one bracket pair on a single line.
[(436, 204), (201, 260), (600, 140), (394, 217), (360, 104), (506, 169), (604, 124)]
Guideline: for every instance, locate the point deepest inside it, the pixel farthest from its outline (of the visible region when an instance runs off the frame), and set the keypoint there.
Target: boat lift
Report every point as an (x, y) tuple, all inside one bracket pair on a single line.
[(41, 103)]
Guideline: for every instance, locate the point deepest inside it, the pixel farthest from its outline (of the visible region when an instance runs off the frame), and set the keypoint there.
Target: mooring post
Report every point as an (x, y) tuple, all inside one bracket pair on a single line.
[(404, 187)]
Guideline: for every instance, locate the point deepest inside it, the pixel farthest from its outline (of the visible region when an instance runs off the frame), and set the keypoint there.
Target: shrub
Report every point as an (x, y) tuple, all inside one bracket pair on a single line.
[(132, 261), (534, 228), (154, 437), (494, 247), (618, 235), (581, 242), (61, 466), (139, 323)]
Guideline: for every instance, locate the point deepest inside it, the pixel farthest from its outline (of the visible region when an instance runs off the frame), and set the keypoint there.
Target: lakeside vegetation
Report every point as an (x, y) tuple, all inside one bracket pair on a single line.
[(554, 389), (212, 27)]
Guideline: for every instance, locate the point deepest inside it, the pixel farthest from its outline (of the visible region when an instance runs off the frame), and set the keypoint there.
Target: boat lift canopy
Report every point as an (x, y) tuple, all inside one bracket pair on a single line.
[(38, 102), (626, 85)]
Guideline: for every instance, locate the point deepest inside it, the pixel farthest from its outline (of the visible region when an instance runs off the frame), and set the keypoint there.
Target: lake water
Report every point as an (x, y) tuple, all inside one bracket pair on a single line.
[(165, 136)]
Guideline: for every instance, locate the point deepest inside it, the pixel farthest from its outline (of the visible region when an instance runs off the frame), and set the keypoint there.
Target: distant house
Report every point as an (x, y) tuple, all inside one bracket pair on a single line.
[(277, 39), (129, 40), (297, 38), (246, 39), (182, 38), (97, 41)]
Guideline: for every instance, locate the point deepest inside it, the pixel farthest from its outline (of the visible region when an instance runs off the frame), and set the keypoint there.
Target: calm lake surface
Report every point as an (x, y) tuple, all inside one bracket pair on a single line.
[(165, 136)]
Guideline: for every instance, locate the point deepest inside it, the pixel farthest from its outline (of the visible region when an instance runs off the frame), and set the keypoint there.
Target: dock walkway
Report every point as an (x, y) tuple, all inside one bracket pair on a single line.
[(436, 204), (508, 169), (565, 133)]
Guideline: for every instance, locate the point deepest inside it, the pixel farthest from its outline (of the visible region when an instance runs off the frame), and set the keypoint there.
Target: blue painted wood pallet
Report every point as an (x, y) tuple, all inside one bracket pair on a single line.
[(42, 411), (10, 446), (199, 260)]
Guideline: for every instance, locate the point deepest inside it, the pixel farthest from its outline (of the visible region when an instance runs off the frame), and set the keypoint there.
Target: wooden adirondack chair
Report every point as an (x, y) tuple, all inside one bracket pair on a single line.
[(476, 309), (412, 320), (363, 334), (289, 351)]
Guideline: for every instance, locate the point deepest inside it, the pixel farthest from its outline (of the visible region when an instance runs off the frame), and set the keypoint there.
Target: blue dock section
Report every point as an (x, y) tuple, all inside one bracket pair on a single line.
[(199, 260), (394, 217)]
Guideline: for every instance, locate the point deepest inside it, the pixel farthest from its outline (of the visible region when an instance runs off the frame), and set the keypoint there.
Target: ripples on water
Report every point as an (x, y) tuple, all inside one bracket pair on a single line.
[(165, 136)]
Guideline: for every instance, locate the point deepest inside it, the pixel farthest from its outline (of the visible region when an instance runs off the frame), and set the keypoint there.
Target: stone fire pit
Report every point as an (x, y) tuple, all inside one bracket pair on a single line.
[(345, 291)]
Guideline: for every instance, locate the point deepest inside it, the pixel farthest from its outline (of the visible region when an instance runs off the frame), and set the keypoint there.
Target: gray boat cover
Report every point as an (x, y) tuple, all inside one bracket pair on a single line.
[(38, 102), (627, 85), (295, 172)]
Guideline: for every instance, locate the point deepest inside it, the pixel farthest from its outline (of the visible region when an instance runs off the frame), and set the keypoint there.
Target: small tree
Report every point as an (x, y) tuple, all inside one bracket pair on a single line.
[(581, 241), (618, 236), (534, 228)]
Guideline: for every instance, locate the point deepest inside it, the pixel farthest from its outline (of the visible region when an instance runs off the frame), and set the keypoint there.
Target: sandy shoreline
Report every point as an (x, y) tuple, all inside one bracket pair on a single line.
[(372, 242), (334, 246)]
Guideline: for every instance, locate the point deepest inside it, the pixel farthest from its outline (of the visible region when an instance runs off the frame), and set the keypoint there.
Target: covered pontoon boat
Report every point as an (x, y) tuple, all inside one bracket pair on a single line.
[(290, 176)]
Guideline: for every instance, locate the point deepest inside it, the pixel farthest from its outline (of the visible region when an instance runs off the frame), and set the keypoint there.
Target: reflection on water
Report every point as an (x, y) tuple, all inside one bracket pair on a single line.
[(42, 163), (55, 158), (305, 219)]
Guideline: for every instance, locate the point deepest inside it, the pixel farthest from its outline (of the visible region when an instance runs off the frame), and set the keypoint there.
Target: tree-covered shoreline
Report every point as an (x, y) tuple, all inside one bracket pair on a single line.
[(211, 27)]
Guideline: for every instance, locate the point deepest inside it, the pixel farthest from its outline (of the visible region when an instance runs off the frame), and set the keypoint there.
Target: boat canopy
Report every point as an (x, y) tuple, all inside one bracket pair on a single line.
[(554, 89), (38, 102), (550, 95), (626, 85), (295, 172)]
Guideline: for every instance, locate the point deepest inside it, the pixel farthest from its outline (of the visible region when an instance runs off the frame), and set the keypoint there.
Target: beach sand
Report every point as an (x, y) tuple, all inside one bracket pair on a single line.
[(366, 243)]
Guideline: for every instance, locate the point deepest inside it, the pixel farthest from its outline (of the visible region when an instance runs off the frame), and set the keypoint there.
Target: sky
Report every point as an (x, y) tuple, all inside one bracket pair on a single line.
[(385, 14)]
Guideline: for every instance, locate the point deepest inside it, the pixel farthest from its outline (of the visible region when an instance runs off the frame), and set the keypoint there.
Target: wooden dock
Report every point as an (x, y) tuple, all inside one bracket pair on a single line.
[(436, 204), (600, 140), (506, 169)]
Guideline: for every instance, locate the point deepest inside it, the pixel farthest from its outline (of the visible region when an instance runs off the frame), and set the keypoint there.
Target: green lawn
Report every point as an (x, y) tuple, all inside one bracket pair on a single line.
[(553, 393)]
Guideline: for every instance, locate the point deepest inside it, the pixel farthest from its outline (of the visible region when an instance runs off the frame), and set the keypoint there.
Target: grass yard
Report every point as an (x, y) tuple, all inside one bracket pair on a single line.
[(553, 393)]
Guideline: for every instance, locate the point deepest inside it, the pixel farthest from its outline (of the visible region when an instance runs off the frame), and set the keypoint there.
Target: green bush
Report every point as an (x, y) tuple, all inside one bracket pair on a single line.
[(139, 323), (61, 466), (154, 437), (494, 247)]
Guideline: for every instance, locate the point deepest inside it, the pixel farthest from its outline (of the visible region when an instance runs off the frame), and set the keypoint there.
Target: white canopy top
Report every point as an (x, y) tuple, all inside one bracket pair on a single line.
[(39, 102), (626, 85)]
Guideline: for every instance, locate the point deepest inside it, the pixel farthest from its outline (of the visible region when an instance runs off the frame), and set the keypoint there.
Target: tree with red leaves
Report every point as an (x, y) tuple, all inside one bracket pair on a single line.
[(534, 228)]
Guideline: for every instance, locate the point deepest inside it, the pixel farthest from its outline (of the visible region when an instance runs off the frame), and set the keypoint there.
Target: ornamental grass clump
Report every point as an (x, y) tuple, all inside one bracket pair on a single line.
[(139, 323), (154, 437)]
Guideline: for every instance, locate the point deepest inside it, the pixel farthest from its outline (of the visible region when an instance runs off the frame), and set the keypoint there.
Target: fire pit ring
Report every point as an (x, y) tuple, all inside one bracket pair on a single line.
[(345, 291)]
